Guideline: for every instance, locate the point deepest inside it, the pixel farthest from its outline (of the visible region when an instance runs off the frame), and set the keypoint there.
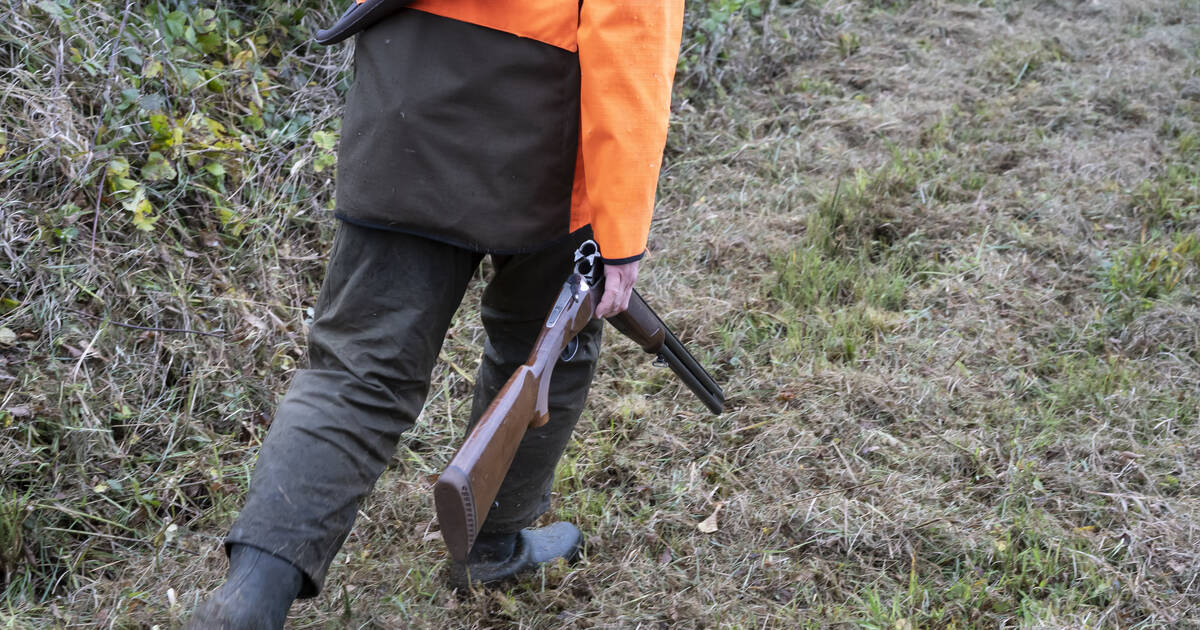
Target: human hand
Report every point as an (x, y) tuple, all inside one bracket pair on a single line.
[(618, 287)]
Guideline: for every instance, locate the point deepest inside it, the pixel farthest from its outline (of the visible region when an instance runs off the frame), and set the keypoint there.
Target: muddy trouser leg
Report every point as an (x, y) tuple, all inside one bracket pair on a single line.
[(514, 307), (384, 308)]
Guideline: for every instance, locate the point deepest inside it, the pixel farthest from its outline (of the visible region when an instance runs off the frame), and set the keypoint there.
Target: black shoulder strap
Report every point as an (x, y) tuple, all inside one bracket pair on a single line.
[(357, 18)]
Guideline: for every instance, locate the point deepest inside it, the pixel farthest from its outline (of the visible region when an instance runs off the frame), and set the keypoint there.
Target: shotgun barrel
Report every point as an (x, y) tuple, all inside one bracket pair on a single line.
[(641, 324)]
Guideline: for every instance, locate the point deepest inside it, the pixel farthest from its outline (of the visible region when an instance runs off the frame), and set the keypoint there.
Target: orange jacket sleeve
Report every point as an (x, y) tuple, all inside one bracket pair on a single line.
[(628, 50)]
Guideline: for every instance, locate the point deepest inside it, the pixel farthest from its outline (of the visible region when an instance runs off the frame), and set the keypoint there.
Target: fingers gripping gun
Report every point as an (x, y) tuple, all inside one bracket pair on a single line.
[(467, 487)]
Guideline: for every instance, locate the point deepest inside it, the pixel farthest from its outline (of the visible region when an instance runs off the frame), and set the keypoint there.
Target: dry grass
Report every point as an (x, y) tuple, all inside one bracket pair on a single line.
[(944, 256)]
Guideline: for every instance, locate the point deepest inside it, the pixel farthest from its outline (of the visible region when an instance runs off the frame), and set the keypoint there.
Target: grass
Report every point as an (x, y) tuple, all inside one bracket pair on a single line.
[(943, 257)]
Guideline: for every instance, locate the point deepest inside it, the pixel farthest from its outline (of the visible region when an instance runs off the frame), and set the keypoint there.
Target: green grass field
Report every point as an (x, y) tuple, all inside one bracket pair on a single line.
[(944, 257)]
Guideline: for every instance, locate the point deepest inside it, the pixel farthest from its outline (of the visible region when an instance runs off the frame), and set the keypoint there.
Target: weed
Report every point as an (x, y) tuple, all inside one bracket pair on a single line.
[(1171, 200), (1146, 272)]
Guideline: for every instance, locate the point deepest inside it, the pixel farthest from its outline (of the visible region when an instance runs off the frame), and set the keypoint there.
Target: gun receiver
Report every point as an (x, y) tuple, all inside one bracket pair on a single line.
[(467, 487)]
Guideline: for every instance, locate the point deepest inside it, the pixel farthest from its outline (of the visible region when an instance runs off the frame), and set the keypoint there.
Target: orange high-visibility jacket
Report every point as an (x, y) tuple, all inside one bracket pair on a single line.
[(462, 115)]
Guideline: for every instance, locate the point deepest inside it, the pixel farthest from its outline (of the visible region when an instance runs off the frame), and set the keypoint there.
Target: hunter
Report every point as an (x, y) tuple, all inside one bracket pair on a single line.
[(516, 129)]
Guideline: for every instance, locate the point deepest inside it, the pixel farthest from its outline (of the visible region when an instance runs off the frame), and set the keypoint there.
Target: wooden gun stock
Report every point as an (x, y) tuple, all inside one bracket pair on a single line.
[(467, 487)]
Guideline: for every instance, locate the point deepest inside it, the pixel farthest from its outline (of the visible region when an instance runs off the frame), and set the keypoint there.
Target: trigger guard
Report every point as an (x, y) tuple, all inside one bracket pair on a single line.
[(570, 351)]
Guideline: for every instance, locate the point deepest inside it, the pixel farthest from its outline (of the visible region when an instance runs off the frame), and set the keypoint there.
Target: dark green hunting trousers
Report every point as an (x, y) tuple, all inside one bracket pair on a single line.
[(380, 320)]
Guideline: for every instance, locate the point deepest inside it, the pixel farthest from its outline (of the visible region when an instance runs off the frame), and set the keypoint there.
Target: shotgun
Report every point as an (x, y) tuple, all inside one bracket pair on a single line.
[(467, 487)]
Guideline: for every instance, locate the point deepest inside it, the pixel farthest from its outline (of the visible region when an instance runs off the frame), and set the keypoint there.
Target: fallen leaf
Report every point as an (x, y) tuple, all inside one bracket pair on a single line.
[(431, 536), (7, 337), (770, 560), (709, 525), (256, 322)]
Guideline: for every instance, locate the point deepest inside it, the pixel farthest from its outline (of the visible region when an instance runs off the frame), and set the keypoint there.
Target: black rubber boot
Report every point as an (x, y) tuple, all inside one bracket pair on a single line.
[(256, 595), (531, 547), (493, 548)]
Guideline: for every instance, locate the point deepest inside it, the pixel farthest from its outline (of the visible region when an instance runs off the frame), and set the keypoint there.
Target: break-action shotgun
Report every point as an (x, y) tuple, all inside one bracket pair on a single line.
[(467, 487)]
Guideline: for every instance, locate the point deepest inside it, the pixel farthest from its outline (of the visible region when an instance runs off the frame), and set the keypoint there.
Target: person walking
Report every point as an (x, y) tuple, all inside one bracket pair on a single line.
[(523, 130)]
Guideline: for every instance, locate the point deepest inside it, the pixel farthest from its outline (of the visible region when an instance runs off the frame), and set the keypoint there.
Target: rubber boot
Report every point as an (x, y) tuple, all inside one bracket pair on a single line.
[(256, 595), (530, 548), (493, 548)]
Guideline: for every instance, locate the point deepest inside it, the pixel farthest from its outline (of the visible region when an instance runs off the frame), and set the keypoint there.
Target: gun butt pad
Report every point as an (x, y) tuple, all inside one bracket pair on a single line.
[(455, 503)]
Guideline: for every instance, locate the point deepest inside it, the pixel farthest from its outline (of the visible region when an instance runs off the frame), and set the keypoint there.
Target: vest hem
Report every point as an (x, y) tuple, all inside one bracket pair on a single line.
[(475, 247)]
